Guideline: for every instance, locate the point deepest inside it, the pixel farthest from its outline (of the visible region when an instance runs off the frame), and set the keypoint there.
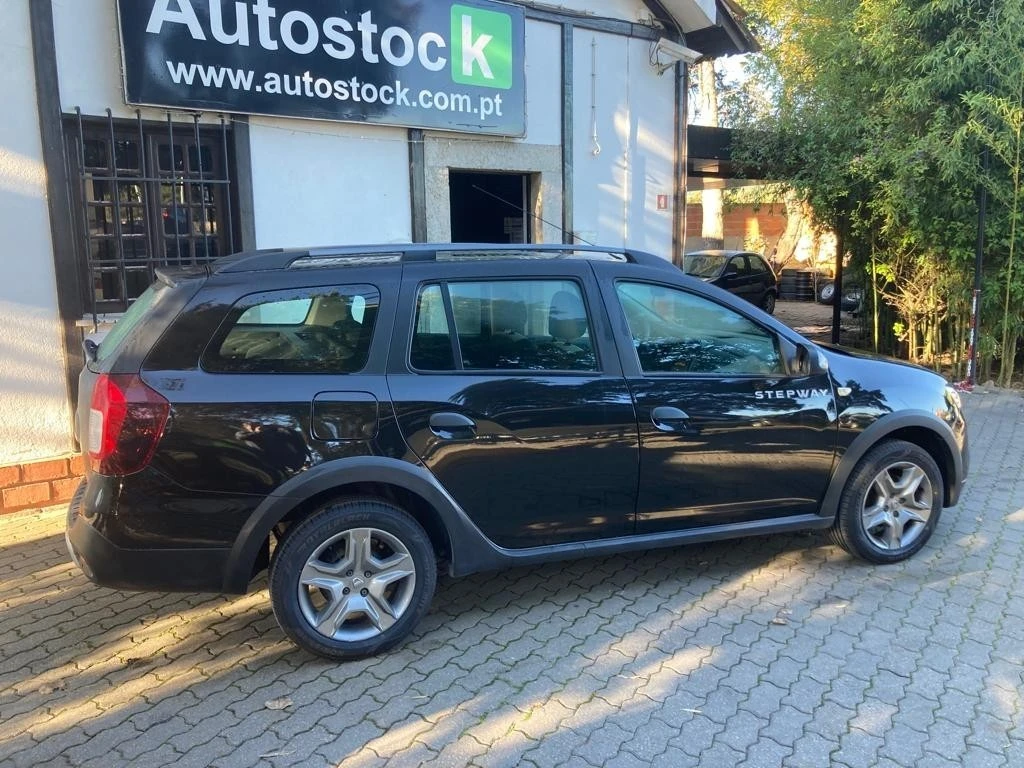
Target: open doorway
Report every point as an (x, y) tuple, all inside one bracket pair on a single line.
[(490, 207)]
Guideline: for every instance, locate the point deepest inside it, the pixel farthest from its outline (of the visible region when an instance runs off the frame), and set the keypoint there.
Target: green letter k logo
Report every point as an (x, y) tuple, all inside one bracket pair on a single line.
[(482, 47)]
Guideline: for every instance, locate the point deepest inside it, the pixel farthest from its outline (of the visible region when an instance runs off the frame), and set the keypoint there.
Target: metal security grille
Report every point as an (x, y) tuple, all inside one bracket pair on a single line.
[(149, 194)]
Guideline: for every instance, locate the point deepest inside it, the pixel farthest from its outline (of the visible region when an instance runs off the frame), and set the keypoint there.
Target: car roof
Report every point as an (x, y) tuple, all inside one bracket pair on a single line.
[(399, 253), (720, 252)]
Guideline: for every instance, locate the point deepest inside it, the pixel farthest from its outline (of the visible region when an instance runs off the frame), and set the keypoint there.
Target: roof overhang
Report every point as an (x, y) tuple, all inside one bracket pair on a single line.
[(713, 27)]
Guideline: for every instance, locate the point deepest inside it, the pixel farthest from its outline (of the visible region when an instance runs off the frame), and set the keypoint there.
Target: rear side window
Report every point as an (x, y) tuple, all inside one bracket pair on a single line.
[(507, 325), (309, 330), (136, 313)]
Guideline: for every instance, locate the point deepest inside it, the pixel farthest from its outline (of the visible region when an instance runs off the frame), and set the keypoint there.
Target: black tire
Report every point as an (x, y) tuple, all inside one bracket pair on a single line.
[(826, 293), (768, 303), (326, 540), (862, 498)]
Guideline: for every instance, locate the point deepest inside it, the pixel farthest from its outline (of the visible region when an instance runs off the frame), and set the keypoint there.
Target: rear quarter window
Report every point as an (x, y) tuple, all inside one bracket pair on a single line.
[(310, 330)]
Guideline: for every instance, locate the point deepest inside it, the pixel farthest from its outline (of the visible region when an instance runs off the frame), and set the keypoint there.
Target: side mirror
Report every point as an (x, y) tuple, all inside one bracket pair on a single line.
[(806, 361), (731, 271)]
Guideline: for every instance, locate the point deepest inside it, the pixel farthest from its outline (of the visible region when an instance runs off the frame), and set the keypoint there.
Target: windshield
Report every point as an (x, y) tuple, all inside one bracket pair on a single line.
[(703, 264), (138, 310)]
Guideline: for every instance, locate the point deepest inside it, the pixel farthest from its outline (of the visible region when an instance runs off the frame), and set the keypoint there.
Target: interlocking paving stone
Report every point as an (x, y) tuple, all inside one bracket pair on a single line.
[(664, 658)]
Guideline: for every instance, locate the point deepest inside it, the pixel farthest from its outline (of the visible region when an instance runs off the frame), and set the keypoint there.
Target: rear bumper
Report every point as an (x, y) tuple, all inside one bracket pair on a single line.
[(165, 570)]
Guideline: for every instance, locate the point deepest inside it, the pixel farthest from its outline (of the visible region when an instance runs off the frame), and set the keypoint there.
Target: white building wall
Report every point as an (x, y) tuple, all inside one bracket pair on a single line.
[(318, 183), (623, 145), (651, 169), (543, 83), (34, 416), (89, 60), (627, 10)]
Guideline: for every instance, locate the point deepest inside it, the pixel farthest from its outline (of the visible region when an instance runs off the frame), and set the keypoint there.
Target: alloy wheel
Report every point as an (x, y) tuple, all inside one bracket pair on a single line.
[(357, 584), (897, 506)]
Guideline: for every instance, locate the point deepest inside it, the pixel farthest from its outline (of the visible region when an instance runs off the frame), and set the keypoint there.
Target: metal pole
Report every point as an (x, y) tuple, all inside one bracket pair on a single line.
[(837, 296), (979, 256)]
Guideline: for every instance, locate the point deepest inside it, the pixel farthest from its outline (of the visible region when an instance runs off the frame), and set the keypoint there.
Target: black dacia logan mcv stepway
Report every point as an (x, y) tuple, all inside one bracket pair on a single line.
[(352, 417)]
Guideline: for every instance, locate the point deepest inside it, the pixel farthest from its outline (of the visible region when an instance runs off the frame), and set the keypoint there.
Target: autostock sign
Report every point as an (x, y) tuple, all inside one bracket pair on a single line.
[(419, 63)]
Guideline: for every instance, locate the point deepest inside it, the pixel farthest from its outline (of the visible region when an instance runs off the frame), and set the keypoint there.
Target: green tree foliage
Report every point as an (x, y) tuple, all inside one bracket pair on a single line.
[(879, 114)]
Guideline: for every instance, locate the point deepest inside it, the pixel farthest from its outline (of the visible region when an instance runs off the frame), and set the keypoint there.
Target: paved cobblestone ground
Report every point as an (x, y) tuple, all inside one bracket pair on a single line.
[(767, 652), (814, 321)]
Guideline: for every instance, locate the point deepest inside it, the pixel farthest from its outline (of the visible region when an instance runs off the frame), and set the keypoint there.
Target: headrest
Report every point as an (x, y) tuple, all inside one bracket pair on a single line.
[(567, 318)]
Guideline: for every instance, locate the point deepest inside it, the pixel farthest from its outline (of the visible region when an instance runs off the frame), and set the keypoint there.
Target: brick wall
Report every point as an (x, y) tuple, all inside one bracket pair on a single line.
[(39, 484), (745, 226)]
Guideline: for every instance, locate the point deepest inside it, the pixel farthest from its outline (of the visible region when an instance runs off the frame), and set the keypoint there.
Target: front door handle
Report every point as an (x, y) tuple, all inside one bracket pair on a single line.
[(452, 426), (668, 419)]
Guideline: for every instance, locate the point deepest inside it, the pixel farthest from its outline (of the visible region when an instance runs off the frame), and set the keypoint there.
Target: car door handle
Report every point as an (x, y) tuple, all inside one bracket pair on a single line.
[(452, 426), (669, 419)]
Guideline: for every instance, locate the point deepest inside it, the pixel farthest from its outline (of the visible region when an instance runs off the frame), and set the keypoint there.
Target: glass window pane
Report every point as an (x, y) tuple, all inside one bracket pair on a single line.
[(135, 248), (133, 219), (178, 250), (127, 154), (96, 155), (739, 265), (163, 155), (523, 325), (129, 193), (99, 191), (319, 330), (432, 341), (678, 332), (194, 157), (289, 312), (103, 250), (148, 297), (107, 285), (207, 248), (101, 220), (138, 281)]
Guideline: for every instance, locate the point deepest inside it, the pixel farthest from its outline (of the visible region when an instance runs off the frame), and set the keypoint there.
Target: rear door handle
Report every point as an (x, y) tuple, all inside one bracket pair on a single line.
[(452, 426), (669, 419)]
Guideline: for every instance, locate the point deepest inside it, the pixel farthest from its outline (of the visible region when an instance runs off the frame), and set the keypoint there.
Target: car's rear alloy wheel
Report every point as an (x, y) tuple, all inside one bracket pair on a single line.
[(768, 303), (891, 503), (353, 579)]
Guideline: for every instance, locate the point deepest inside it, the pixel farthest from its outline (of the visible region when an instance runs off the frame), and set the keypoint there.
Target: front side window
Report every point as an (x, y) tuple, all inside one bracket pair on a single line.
[(757, 265), (312, 330), (509, 325), (738, 265), (675, 331)]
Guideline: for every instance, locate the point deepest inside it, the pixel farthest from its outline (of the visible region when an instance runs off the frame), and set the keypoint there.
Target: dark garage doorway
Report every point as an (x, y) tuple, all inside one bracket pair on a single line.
[(489, 207)]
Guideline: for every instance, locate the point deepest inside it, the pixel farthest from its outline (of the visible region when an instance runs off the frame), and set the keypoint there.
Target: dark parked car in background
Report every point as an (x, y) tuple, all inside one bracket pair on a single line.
[(741, 272), (350, 418)]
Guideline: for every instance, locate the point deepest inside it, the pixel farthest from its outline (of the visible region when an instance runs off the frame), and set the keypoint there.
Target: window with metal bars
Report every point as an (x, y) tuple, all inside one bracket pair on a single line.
[(149, 194)]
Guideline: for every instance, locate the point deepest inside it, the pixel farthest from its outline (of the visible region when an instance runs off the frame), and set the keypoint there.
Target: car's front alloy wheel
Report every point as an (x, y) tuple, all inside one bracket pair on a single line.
[(891, 503), (897, 506), (353, 579)]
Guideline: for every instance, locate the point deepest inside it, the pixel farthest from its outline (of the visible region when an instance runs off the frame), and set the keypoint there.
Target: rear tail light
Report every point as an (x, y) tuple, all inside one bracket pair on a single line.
[(126, 421)]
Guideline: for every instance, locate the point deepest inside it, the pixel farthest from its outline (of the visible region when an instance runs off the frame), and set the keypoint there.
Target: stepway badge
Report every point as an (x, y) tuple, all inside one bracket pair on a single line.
[(481, 47)]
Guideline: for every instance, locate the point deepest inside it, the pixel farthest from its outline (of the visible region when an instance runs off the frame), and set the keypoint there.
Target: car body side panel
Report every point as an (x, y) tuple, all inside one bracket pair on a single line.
[(553, 456)]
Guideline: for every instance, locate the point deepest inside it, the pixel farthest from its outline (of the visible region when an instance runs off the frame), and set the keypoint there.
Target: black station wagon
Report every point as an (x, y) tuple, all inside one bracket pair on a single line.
[(353, 418)]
